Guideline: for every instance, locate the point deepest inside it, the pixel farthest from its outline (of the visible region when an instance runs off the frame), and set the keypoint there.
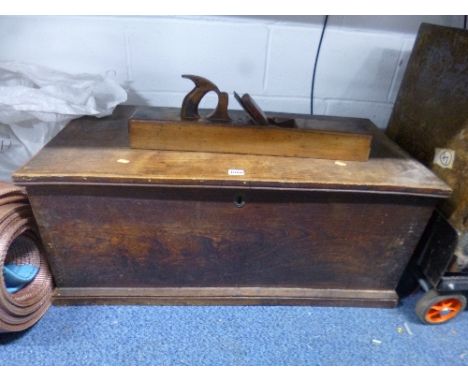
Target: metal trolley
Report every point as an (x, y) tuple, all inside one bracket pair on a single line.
[(432, 268)]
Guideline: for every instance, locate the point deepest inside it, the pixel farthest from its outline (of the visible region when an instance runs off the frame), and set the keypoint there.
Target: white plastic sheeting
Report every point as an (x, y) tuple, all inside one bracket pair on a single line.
[(37, 102)]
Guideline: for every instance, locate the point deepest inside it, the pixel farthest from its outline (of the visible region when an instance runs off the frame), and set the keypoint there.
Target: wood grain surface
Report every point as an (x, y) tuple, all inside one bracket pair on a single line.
[(100, 236), (161, 131), (226, 296), (122, 225), (96, 151), (431, 111)]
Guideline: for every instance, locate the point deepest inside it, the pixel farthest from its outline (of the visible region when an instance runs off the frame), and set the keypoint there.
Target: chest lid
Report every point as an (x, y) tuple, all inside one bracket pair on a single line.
[(97, 151)]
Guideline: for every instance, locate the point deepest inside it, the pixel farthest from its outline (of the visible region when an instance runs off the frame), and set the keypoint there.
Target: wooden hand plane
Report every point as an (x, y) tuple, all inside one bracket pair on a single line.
[(250, 131)]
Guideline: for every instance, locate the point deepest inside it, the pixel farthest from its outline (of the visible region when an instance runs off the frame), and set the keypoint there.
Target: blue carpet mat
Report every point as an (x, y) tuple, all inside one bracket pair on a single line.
[(215, 335)]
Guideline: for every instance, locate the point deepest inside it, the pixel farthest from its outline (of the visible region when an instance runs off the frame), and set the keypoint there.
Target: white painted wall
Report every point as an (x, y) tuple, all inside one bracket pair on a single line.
[(271, 57)]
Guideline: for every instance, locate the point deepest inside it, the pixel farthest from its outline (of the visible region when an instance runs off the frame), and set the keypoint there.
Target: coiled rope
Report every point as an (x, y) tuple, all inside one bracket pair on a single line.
[(20, 244)]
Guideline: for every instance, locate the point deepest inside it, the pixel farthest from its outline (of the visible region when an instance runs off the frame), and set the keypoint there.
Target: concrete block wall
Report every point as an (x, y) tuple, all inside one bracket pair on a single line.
[(361, 65)]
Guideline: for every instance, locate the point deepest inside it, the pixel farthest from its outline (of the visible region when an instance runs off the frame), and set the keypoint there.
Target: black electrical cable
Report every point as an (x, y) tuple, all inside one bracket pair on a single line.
[(325, 21)]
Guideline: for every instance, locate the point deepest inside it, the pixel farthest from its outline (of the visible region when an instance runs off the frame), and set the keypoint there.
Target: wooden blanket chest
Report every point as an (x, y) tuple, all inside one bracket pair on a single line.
[(125, 225)]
